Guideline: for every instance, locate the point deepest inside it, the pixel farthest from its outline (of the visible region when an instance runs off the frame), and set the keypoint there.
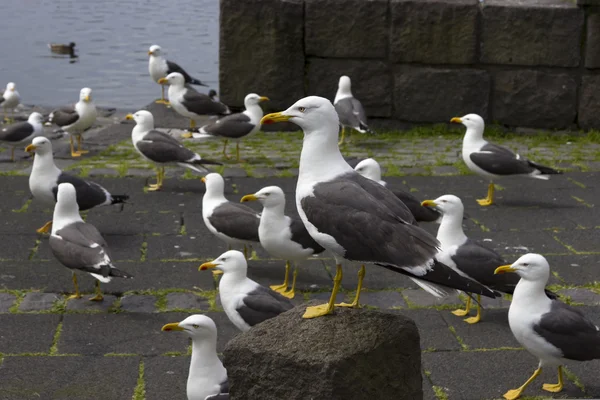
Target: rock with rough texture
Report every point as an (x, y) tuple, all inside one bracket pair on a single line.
[(437, 95), (531, 32), (261, 50), (534, 99), (434, 31), (346, 28), (352, 355), (371, 80), (589, 102), (592, 42)]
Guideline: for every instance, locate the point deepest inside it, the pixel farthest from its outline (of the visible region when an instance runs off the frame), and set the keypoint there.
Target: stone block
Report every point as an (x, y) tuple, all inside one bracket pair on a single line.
[(35, 301), (6, 301), (371, 80), (327, 358), (186, 301), (434, 31), (589, 103), (437, 95), (533, 98), (84, 305), (261, 50), (533, 32), (341, 30), (27, 333), (592, 41), (138, 303)]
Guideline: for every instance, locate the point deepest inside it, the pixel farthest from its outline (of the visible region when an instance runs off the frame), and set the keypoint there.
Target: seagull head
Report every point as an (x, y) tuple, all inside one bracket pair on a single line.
[(173, 79), (215, 184), (40, 146), (231, 261), (144, 119), (447, 204), (154, 50), (369, 168), (72, 45), (11, 87), (270, 196), (196, 326), (531, 267), (344, 85), (85, 95), (67, 196), (252, 99), (35, 118), (310, 113), (471, 121)]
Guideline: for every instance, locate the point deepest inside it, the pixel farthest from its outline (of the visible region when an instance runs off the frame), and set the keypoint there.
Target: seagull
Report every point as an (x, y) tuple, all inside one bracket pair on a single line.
[(492, 161), (75, 120), (358, 219), (245, 302), (350, 111), (10, 100), (190, 103), (233, 223), (159, 67), (18, 134), (369, 168), (552, 331), (235, 126), (58, 48), (45, 178), (207, 376), (161, 148), (78, 245), (282, 236)]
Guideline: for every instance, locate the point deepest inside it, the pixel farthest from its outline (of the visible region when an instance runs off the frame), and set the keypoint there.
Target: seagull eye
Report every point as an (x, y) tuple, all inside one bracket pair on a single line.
[(195, 326), (267, 194), (301, 109), (224, 259), (526, 264)]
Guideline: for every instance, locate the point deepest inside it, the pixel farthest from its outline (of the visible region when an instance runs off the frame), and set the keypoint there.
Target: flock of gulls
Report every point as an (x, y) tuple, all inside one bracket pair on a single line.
[(348, 212)]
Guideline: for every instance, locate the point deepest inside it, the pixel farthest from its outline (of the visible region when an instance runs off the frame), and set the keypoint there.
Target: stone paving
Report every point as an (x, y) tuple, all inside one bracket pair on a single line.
[(51, 348)]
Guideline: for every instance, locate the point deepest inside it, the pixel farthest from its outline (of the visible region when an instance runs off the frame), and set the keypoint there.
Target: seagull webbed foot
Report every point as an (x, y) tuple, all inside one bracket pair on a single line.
[(162, 101), (485, 202), (460, 313), (289, 293), (75, 154), (513, 394), (154, 188), (279, 288), (552, 387), (354, 304), (473, 320), (187, 135), (97, 297), (74, 296), (318, 311), (45, 228)]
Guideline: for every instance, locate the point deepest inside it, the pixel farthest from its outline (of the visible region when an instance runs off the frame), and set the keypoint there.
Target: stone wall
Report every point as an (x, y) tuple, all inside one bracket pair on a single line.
[(529, 63)]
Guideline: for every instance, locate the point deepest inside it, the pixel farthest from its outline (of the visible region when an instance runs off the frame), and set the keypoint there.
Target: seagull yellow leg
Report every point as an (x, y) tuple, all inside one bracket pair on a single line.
[(324, 309), (73, 152), (341, 142), (489, 200), (76, 295), (515, 393), (158, 184), (98, 296), (225, 149), (245, 252), (555, 387), (237, 152), (12, 154), (162, 96), (283, 287), (79, 141), (477, 317), (45, 228), (462, 313), (292, 292), (355, 303)]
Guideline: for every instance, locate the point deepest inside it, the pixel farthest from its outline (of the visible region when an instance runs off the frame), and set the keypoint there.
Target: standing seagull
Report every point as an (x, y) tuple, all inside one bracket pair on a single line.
[(369, 168), (190, 103), (159, 67), (245, 302), (10, 100), (492, 161), (207, 375), (350, 111), (356, 218), (161, 148), (75, 120), (235, 126), (549, 329), (78, 245), (18, 134), (233, 223), (282, 236), (45, 178)]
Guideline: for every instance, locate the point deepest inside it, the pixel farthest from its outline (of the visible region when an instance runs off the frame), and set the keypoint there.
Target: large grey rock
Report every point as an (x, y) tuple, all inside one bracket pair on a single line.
[(434, 31), (346, 28), (261, 50), (371, 81), (437, 95), (534, 99), (592, 42), (531, 32), (589, 102), (354, 354)]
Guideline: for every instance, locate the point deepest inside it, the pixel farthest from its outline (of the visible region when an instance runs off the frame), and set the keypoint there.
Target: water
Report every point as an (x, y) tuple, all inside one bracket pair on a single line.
[(112, 37)]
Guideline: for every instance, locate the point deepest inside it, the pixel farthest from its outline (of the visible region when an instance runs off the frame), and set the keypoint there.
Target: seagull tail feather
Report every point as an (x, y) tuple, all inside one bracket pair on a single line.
[(543, 169), (118, 273), (433, 289), (365, 129), (194, 81), (118, 198)]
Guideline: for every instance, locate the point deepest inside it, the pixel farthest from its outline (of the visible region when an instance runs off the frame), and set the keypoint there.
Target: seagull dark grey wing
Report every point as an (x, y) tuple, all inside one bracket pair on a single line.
[(351, 113), (232, 126), (173, 67), (64, 116), (201, 104), (162, 148), (236, 221), (301, 236), (89, 194), (17, 132), (80, 246), (421, 214), (500, 161), (262, 304)]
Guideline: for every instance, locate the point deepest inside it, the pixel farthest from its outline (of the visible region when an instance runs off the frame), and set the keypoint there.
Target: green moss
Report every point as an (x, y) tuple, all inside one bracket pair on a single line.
[(24, 207), (458, 338), (120, 355), (34, 249), (140, 389), (57, 332), (440, 393), (143, 251)]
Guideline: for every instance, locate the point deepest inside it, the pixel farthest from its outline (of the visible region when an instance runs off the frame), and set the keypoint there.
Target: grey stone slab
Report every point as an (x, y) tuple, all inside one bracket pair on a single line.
[(420, 298), (514, 244), (383, 300), (16, 247), (23, 223), (138, 303), (587, 373), (575, 269), (166, 376), (7, 300), (579, 240), (445, 30), (428, 393), (81, 378), (22, 333), (434, 331), (592, 43), (85, 305), (583, 296), (121, 247), (13, 201), (344, 36), (589, 101), (534, 99), (203, 246), (520, 218), (136, 223), (36, 301), (515, 32), (95, 334), (229, 172), (186, 301)]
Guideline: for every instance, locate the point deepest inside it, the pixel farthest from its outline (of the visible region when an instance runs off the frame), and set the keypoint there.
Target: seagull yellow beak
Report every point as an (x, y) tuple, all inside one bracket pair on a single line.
[(30, 149), (86, 99), (12, 89), (456, 120), (263, 98), (275, 117), (172, 327), (150, 53), (129, 116), (248, 197), (504, 269), (163, 81), (429, 203), (208, 265), (203, 179)]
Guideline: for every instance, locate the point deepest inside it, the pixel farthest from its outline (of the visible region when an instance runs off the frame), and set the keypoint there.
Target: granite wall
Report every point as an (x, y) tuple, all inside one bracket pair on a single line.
[(528, 63)]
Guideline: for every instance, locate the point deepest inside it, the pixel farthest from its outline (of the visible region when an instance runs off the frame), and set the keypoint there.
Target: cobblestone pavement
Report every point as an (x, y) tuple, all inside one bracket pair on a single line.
[(51, 348)]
